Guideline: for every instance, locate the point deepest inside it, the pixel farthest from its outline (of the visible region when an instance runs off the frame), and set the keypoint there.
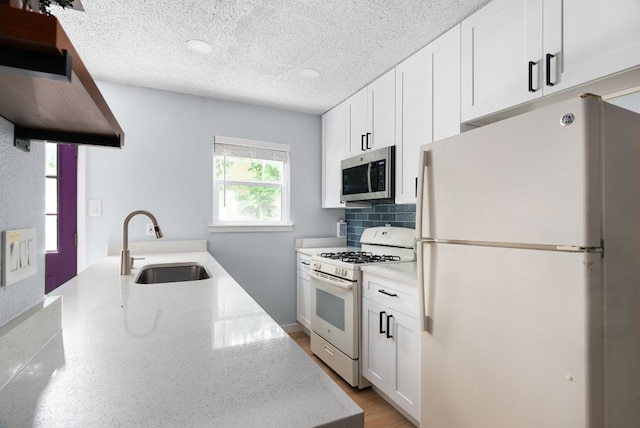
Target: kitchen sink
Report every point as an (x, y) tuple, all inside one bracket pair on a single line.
[(171, 272)]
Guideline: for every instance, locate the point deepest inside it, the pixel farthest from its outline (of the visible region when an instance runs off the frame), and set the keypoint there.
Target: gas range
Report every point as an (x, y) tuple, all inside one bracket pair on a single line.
[(379, 245)]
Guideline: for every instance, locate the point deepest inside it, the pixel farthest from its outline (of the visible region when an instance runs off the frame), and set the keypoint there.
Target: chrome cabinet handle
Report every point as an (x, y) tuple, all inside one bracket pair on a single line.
[(549, 57), (531, 65)]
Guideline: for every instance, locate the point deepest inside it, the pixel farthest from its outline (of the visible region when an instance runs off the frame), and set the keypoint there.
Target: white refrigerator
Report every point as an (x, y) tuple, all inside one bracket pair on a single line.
[(528, 259)]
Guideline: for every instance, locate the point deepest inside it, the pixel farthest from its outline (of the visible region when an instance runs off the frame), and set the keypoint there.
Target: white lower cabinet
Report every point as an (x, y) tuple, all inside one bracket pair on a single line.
[(391, 340), (303, 312)]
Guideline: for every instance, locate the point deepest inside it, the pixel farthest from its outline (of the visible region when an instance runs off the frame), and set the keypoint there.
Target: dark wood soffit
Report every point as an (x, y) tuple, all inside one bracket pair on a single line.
[(76, 107)]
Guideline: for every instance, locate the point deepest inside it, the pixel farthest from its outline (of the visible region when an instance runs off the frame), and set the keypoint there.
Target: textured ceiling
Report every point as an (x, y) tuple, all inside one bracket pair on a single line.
[(259, 46)]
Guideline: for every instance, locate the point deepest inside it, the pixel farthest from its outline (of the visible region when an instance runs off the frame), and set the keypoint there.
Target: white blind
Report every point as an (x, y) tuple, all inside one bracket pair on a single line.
[(225, 146)]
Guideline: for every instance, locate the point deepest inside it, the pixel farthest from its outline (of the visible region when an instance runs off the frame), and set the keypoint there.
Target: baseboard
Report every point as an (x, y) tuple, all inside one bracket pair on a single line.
[(396, 406), (292, 328)]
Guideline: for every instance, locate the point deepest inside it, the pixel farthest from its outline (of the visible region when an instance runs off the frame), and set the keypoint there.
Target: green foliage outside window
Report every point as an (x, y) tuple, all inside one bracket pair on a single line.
[(249, 188), (260, 202)]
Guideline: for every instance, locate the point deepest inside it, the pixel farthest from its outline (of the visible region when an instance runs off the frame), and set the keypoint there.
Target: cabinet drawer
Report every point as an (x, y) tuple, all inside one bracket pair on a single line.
[(397, 295), (304, 263), (339, 362)]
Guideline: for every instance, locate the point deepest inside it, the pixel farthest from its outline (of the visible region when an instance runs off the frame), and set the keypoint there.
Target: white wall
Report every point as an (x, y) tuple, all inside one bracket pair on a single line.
[(166, 167), (21, 207)]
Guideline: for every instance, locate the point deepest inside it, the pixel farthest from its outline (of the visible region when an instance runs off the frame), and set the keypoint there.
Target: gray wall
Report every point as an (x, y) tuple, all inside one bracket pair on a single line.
[(166, 167), (21, 207)]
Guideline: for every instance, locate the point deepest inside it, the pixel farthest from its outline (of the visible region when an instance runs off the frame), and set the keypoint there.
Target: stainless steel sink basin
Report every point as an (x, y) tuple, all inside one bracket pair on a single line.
[(171, 272)]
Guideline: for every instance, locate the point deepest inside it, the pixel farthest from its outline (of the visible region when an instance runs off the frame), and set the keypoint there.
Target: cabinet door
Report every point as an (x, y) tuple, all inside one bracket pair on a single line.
[(589, 39), (375, 345), (382, 111), (501, 43), (334, 142), (427, 106), (304, 300), (405, 363), (357, 122), (443, 62), (303, 292), (413, 122)]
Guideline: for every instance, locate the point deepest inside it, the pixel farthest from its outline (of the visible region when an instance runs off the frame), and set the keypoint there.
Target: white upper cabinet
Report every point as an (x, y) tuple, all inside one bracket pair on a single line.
[(371, 116), (334, 143), (514, 51), (501, 56), (357, 123), (588, 39), (427, 106), (443, 58), (413, 122), (382, 110)]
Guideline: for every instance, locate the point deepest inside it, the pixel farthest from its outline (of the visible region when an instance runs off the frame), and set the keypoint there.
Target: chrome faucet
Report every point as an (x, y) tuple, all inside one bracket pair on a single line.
[(126, 262)]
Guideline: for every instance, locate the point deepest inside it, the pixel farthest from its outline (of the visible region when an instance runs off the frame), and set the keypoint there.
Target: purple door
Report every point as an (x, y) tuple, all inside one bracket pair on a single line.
[(61, 215)]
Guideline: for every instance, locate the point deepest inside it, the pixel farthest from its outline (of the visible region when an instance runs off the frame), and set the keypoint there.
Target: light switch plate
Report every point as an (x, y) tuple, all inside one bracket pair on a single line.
[(20, 255)]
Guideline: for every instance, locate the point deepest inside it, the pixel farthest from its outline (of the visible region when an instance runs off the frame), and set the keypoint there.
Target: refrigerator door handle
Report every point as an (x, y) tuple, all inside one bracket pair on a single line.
[(424, 281), (426, 241), (423, 203)]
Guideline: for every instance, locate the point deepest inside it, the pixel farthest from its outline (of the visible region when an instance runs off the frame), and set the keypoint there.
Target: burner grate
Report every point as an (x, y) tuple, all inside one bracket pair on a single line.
[(359, 257)]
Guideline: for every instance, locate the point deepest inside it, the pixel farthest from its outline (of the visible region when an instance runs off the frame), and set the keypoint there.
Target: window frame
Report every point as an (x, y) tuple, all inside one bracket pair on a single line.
[(284, 224)]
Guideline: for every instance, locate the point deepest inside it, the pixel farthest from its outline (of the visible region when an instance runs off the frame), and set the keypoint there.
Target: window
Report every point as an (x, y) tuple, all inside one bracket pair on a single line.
[(250, 185), (51, 197)]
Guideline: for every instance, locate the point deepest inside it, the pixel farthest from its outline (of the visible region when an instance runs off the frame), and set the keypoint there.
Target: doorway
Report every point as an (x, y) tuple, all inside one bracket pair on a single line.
[(61, 182)]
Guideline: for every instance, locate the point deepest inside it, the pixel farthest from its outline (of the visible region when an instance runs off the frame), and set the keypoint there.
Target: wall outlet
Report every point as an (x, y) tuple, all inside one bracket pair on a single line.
[(150, 230)]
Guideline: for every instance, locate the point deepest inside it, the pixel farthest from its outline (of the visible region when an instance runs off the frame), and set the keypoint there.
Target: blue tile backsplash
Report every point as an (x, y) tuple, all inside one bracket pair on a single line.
[(359, 219)]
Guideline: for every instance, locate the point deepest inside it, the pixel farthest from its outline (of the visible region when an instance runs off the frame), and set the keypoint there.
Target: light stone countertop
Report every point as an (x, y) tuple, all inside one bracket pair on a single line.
[(403, 271), (189, 354), (313, 251)]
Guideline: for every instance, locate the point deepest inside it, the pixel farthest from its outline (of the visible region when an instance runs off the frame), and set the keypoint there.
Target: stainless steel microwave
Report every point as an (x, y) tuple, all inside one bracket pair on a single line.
[(369, 177)]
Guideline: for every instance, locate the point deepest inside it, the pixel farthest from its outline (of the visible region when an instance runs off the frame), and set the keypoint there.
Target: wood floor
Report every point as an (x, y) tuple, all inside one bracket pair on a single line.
[(377, 412)]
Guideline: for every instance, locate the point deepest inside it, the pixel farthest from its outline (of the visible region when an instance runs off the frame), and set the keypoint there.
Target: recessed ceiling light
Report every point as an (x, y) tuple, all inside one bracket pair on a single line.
[(199, 46), (311, 73)]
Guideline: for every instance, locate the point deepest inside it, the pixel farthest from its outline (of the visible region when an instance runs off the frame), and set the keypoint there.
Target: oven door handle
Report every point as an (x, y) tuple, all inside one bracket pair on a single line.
[(347, 285)]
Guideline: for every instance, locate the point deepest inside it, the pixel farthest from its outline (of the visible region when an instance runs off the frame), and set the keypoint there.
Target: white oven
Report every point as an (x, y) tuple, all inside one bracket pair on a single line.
[(334, 309)]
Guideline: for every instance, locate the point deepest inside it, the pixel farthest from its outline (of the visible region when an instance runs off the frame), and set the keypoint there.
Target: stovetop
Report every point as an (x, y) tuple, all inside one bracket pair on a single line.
[(359, 257), (385, 244)]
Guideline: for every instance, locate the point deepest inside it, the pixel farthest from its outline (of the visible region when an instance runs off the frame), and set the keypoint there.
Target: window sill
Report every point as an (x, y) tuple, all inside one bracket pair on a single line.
[(220, 228)]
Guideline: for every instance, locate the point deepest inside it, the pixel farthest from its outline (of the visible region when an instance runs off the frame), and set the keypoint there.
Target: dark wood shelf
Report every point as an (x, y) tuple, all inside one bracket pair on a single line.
[(45, 89)]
